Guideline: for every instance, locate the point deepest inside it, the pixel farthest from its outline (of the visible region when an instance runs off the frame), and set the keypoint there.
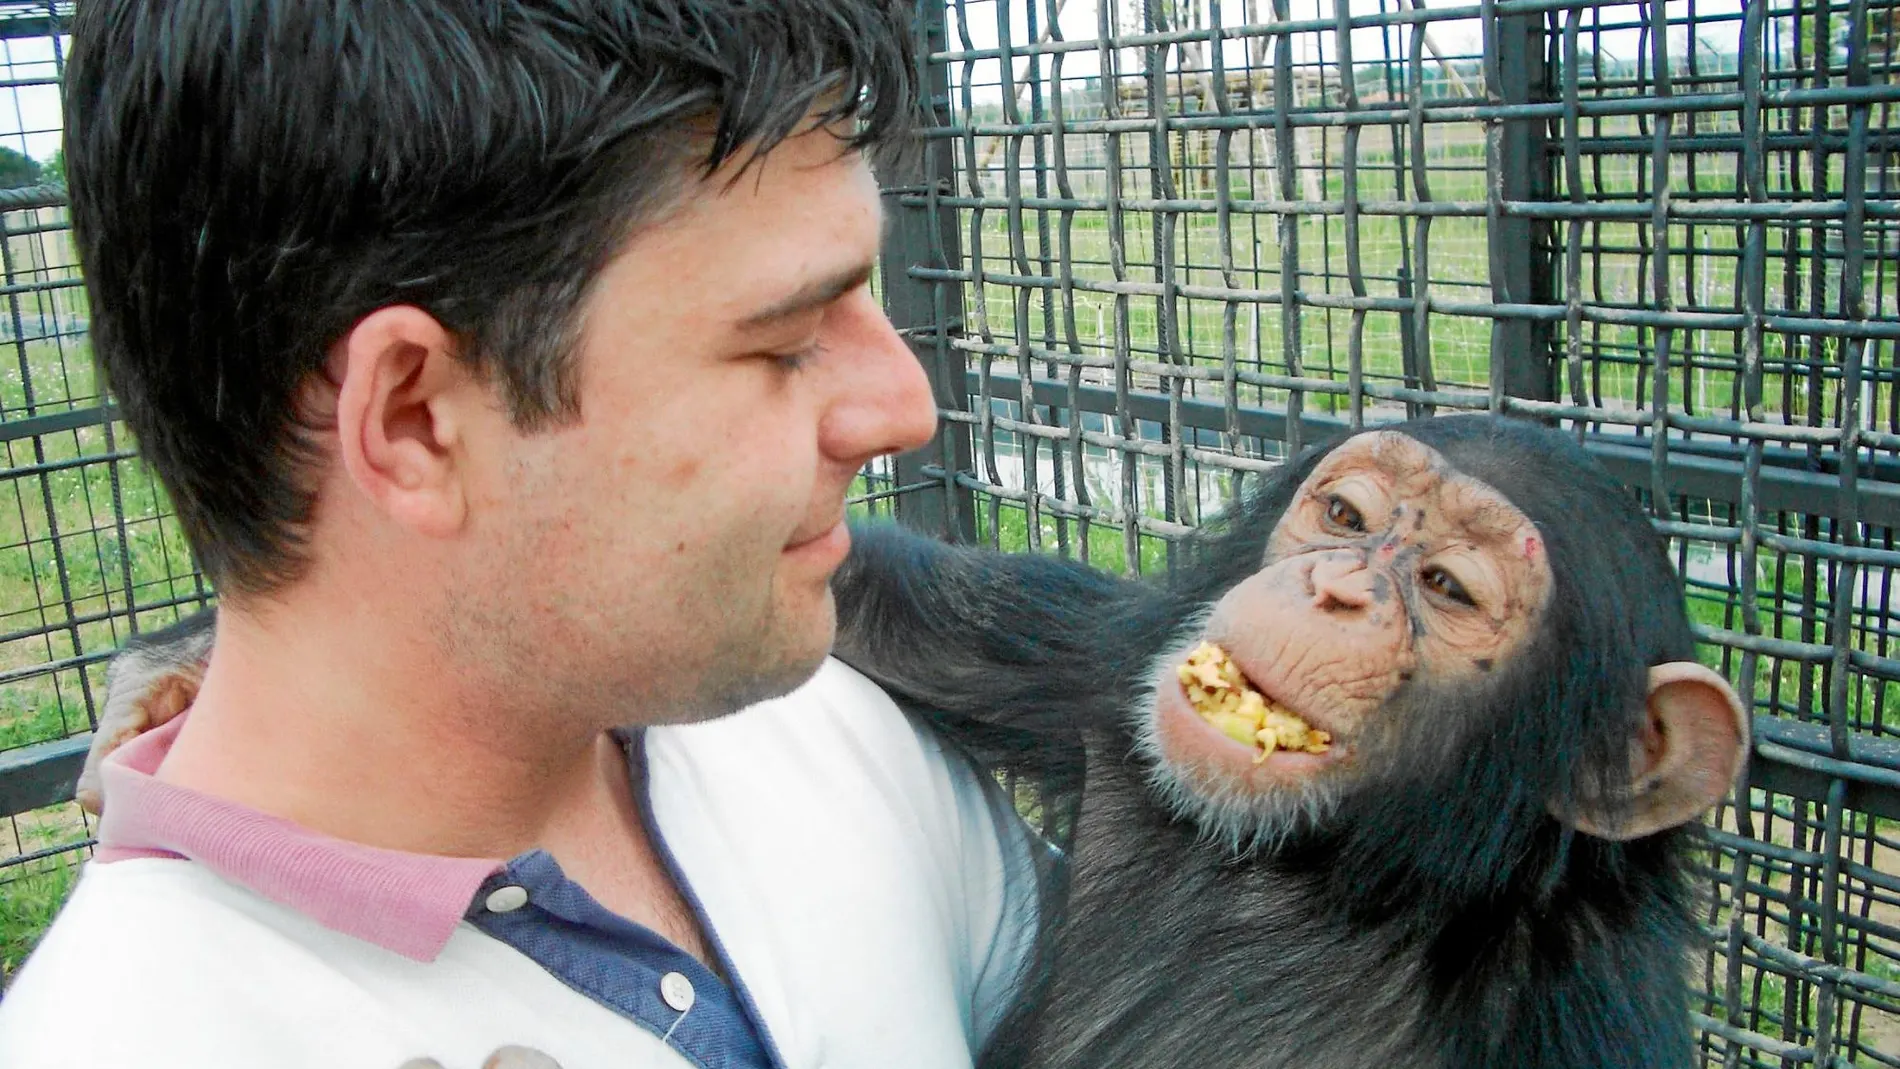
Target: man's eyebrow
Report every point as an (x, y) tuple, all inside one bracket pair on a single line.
[(809, 296)]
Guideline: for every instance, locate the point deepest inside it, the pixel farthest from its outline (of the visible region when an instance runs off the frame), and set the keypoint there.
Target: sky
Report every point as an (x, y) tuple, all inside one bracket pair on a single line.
[(29, 115)]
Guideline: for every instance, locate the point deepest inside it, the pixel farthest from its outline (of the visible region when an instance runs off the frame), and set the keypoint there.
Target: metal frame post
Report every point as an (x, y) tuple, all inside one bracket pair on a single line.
[(929, 311), (1515, 72)]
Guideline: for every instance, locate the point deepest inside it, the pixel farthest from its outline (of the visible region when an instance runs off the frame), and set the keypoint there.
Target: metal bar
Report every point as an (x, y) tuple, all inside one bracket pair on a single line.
[(1419, 372), (1515, 165), (1349, 194), (1019, 254), (43, 774), (1286, 161), (1105, 28), (1633, 207), (1609, 107), (54, 422), (23, 197), (1816, 740), (926, 310), (1078, 475), (1781, 490), (1630, 315), (43, 853), (28, 27)]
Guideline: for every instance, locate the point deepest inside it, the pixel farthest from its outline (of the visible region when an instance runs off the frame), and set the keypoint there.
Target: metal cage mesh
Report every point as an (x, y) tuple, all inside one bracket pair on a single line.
[(1153, 247), (88, 549)]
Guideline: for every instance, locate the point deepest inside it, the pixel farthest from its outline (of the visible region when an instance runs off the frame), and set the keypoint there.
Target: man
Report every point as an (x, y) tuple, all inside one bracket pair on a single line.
[(507, 362)]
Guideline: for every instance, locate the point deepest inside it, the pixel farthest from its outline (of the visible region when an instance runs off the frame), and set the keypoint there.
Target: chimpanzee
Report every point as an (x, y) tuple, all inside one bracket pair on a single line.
[(1462, 849), (1420, 800)]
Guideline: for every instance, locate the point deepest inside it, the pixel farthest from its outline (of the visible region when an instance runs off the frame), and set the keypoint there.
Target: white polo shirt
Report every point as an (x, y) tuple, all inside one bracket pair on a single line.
[(869, 899)]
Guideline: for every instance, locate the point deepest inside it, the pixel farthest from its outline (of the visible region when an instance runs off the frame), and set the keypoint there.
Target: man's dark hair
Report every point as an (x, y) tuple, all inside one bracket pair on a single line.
[(249, 179)]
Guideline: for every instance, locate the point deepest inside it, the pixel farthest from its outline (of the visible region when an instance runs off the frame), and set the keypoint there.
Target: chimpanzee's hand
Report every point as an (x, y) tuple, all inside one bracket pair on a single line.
[(503, 1058), (149, 682)]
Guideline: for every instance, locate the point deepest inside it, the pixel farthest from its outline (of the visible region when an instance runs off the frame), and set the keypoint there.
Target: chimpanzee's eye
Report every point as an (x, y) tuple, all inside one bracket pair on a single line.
[(1440, 582), (1341, 514)]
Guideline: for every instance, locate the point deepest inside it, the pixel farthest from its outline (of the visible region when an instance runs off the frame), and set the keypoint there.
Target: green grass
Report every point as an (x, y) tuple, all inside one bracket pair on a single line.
[(1107, 546), (1706, 362), (24, 719), (28, 904), (1703, 276), (60, 541)]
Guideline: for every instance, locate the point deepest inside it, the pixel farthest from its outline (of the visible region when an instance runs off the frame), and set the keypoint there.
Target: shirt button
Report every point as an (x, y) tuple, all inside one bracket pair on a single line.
[(677, 991), (507, 899)]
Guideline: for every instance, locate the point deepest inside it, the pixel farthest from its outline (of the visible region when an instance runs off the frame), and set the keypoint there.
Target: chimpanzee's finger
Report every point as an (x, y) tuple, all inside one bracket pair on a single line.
[(152, 680), (134, 705)]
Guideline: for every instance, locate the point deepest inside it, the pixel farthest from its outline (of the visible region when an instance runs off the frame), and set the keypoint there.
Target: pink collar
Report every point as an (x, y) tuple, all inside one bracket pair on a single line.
[(407, 903)]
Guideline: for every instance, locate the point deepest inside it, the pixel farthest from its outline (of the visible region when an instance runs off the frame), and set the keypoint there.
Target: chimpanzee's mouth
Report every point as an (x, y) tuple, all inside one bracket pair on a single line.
[(1222, 695)]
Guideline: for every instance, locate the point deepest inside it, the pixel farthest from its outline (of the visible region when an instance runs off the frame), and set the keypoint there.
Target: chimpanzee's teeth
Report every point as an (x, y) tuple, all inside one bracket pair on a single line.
[(1222, 696)]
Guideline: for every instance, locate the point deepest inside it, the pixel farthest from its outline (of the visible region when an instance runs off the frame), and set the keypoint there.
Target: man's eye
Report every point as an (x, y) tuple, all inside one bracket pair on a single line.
[(797, 360), (1441, 582), (1342, 515)]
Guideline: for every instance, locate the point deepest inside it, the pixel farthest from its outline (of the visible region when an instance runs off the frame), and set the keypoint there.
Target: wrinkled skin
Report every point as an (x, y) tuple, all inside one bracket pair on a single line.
[(1390, 569)]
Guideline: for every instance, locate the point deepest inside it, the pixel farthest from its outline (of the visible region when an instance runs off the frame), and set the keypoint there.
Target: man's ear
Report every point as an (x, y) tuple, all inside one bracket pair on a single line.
[(401, 397), (1692, 745)]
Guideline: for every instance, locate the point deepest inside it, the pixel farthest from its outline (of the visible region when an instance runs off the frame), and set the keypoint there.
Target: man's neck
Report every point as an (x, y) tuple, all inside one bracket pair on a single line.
[(366, 739), (374, 739)]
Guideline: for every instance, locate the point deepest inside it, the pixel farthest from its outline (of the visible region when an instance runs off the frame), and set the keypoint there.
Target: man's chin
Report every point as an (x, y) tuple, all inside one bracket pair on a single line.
[(770, 669)]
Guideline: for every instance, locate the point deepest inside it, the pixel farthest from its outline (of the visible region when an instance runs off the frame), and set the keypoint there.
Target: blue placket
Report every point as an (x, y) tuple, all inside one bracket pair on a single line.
[(532, 906)]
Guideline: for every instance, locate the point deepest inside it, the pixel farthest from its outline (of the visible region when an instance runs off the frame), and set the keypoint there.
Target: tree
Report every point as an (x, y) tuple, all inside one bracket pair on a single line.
[(54, 169), (17, 169)]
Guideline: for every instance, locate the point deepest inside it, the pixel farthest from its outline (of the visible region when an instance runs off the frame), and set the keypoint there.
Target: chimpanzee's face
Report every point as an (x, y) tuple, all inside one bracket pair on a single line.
[(1389, 574)]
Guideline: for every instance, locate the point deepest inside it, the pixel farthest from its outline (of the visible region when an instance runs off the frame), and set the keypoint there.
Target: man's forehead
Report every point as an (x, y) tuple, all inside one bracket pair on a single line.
[(1416, 470), (798, 225), (814, 168)]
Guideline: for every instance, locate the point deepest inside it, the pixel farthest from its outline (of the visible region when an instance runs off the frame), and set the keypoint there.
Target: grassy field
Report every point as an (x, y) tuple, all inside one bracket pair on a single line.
[(84, 526), (85, 534), (1617, 272), (28, 904)]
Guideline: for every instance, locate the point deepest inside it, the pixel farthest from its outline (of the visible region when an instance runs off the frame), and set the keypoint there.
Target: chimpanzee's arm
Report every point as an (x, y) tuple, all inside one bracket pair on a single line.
[(1015, 640), (1020, 640)]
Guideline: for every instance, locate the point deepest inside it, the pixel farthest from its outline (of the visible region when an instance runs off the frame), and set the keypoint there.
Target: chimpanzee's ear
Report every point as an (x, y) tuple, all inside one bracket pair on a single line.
[(1692, 745)]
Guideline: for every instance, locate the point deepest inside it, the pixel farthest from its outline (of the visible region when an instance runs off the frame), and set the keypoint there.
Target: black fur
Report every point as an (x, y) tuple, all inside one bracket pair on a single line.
[(1442, 919)]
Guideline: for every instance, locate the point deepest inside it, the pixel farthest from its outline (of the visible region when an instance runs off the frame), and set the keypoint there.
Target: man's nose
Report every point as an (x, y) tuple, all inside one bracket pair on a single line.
[(882, 402), (1341, 581)]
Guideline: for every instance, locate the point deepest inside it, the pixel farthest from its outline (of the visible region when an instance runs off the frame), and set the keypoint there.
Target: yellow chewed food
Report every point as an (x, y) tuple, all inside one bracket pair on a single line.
[(1222, 696)]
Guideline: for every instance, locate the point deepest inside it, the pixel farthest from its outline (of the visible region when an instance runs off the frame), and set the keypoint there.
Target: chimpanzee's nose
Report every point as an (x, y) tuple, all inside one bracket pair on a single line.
[(1341, 581)]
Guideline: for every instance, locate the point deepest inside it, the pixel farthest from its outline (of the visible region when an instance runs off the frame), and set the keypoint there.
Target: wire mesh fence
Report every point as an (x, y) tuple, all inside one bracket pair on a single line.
[(1153, 248), (88, 551), (1157, 246)]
